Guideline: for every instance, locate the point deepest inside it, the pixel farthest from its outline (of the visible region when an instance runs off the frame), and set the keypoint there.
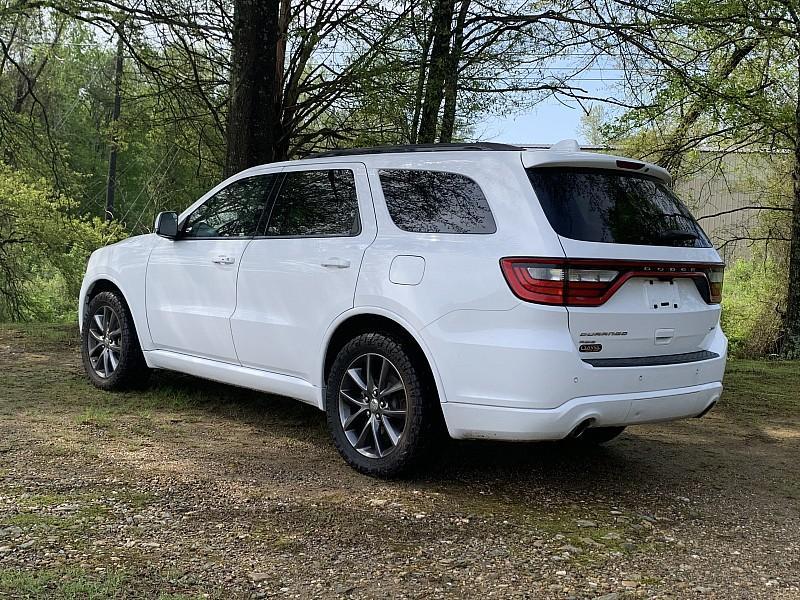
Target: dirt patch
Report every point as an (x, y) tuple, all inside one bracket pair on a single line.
[(192, 489)]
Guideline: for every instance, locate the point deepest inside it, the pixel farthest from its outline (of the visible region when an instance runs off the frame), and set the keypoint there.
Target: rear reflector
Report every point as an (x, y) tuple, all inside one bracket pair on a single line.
[(591, 282)]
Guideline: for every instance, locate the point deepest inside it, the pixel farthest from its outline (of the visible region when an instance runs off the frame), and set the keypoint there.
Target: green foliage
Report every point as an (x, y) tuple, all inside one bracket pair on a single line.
[(752, 303), (44, 246), (66, 584), (63, 134)]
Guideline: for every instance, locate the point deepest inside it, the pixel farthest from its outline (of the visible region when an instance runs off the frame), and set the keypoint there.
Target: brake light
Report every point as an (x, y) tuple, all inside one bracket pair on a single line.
[(716, 276), (590, 282), (629, 164)]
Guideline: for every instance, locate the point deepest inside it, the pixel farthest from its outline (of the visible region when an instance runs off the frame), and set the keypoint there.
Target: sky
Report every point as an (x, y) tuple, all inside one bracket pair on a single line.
[(546, 123), (551, 120)]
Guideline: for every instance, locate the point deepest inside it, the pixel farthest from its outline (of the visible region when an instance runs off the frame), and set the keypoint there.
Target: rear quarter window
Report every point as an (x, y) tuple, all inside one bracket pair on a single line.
[(598, 205), (435, 202)]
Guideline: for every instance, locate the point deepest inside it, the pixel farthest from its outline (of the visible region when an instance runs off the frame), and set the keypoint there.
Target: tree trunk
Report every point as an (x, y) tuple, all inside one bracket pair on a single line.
[(255, 129), (442, 25), (451, 78), (420, 89), (790, 347), (111, 182)]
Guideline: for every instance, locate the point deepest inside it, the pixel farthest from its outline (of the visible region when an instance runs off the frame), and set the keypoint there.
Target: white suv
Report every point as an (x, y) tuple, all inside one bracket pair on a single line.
[(506, 293)]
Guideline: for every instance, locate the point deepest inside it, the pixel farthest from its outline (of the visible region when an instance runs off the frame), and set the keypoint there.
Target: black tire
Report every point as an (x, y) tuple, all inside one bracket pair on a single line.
[(131, 369), (600, 435), (422, 413)]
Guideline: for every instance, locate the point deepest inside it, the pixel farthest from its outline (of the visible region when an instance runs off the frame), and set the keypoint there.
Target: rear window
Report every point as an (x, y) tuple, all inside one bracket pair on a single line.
[(435, 202), (596, 205)]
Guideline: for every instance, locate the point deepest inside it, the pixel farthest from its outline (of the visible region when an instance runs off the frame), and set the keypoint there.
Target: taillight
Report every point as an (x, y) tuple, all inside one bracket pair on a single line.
[(535, 282), (590, 282), (715, 275)]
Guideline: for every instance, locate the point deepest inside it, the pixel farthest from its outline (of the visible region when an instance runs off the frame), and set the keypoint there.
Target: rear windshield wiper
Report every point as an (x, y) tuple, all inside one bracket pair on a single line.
[(676, 235)]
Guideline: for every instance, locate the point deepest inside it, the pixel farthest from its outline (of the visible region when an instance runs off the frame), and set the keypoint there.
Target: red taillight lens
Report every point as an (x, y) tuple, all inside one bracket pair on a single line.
[(554, 281), (541, 282), (589, 282)]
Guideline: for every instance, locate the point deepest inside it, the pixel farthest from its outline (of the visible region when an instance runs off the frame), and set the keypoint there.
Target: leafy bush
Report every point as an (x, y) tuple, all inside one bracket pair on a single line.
[(44, 246), (752, 303)]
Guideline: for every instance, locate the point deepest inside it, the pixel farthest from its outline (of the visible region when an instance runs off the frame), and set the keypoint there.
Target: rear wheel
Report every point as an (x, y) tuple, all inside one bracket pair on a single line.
[(600, 435), (110, 347), (381, 411)]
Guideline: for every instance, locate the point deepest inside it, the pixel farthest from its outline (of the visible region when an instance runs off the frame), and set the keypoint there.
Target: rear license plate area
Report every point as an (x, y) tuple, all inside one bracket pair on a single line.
[(662, 295)]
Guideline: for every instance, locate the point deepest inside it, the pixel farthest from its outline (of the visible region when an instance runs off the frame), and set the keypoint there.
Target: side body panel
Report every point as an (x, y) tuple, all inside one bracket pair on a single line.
[(290, 289), (124, 264), (461, 275), (191, 288), (191, 295)]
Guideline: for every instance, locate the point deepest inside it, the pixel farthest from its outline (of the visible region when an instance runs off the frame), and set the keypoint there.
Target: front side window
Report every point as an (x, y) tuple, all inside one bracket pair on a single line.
[(599, 205), (316, 203), (233, 212), (435, 202)]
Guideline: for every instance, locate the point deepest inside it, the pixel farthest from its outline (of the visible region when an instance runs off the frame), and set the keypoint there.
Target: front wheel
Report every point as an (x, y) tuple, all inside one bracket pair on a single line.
[(380, 405), (110, 348)]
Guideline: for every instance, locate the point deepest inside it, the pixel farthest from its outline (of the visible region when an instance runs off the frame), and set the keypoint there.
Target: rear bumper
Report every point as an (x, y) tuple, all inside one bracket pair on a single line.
[(475, 421), (525, 358)]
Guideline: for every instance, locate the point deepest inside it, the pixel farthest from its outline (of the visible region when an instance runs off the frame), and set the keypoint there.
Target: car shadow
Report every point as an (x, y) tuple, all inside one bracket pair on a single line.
[(688, 458)]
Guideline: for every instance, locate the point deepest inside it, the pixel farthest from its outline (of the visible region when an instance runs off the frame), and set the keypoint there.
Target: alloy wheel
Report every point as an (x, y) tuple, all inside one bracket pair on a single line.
[(373, 405), (105, 341)]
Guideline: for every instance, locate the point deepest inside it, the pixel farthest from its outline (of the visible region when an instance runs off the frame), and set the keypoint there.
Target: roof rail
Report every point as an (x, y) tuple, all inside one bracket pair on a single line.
[(491, 146)]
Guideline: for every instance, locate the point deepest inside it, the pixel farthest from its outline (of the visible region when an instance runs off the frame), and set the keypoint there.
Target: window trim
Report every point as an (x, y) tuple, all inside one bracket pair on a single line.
[(267, 202), (429, 170), (263, 224)]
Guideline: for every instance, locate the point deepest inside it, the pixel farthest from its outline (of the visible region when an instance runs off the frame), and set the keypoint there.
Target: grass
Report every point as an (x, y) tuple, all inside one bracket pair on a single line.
[(79, 584), (37, 392), (43, 335), (757, 390), (54, 522), (95, 416), (31, 519)]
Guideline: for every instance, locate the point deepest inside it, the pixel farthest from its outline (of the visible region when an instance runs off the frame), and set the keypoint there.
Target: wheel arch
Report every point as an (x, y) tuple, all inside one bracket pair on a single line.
[(99, 284), (105, 283), (352, 324)]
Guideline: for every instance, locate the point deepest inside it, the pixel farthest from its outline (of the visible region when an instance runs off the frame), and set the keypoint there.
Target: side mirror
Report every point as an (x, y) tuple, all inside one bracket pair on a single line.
[(167, 225)]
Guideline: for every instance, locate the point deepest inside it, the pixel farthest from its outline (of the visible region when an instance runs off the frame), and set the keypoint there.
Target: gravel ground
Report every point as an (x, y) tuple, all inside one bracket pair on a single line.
[(188, 489)]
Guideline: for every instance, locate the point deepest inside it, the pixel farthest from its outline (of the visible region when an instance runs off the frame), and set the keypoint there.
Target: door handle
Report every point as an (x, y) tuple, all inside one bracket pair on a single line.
[(223, 260), (335, 263)]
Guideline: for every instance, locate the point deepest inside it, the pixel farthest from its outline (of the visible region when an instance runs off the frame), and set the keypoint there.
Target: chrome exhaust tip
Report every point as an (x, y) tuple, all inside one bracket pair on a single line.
[(580, 428)]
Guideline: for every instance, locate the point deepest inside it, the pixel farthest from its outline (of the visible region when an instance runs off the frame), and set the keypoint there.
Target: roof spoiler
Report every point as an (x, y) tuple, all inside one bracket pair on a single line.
[(568, 153)]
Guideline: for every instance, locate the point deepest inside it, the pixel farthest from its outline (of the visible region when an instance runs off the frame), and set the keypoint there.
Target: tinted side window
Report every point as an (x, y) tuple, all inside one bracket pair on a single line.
[(316, 203), (435, 202), (232, 212)]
